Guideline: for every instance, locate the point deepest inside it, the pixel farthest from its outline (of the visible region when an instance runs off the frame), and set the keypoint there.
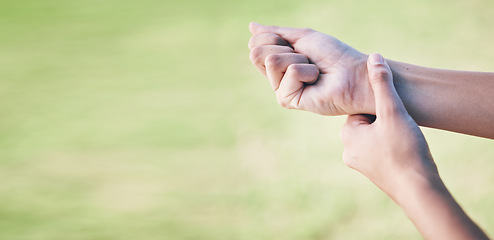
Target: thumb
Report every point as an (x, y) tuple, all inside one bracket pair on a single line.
[(290, 34), (388, 102)]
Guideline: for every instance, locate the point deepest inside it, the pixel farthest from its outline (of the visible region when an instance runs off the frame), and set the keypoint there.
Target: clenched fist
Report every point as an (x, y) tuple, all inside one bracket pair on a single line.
[(312, 71)]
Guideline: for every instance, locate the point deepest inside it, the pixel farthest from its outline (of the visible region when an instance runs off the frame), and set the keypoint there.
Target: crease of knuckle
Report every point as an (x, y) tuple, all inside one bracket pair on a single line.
[(380, 75)]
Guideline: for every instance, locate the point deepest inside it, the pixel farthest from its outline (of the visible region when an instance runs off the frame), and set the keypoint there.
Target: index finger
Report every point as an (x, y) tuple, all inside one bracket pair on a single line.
[(267, 39)]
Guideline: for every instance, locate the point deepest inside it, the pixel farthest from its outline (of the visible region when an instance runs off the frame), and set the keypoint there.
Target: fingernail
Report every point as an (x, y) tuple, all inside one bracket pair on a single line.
[(376, 59)]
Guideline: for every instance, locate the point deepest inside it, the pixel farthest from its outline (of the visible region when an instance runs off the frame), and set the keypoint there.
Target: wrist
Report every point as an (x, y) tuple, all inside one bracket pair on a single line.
[(428, 204), (415, 182), (363, 101)]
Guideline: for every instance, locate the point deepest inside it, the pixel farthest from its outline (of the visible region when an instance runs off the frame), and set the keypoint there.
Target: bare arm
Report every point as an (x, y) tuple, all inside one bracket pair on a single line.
[(456, 101), (429, 205), (392, 152), (450, 100), (312, 71)]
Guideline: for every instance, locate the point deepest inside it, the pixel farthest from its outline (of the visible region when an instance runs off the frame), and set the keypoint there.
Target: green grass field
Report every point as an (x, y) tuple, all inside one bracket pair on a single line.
[(145, 120)]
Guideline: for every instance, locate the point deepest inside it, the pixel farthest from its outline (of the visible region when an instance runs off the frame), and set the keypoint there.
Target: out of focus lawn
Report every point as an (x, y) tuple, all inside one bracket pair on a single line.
[(145, 120)]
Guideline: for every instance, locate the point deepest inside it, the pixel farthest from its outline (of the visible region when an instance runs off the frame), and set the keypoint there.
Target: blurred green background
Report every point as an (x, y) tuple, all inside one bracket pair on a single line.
[(145, 120)]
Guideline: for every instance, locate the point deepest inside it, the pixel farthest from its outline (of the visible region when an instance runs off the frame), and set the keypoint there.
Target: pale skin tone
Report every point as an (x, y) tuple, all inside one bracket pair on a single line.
[(392, 152), (312, 71), (456, 101)]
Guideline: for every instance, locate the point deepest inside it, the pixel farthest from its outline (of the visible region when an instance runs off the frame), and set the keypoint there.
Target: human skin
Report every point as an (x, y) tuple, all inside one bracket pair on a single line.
[(316, 72), (391, 151)]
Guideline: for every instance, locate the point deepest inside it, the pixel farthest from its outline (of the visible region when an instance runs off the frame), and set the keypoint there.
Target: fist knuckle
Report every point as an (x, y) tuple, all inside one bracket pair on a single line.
[(273, 60), (295, 69), (255, 54)]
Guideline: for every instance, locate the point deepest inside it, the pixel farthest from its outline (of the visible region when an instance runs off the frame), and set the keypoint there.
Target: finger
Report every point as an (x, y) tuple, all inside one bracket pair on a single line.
[(360, 119), (289, 34), (267, 39), (352, 122), (258, 54), (381, 79), (277, 64), (292, 84)]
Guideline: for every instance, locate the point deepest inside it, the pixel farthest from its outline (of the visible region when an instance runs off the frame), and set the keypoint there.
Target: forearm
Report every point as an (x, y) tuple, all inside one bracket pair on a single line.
[(456, 101), (435, 213)]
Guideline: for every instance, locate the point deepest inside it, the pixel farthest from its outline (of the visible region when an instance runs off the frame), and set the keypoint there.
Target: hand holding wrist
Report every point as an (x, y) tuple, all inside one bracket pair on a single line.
[(392, 152), (387, 147)]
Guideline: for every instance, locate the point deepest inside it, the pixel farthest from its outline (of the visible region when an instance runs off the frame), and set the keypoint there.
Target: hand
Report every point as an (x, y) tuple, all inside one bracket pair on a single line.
[(389, 147), (335, 84)]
